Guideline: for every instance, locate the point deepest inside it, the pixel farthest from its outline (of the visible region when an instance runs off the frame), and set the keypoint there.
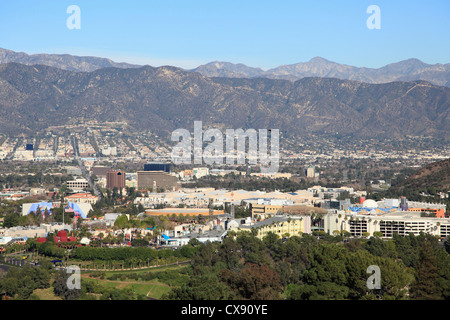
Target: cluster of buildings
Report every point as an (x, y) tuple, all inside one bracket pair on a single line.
[(94, 140), (283, 225), (197, 173), (48, 148), (154, 176), (157, 177), (316, 149), (286, 218), (106, 140), (206, 197), (79, 209), (388, 217), (13, 194), (285, 214), (20, 234)]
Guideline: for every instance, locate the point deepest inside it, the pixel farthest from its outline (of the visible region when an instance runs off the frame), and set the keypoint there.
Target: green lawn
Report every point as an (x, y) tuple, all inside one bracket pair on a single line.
[(108, 273), (154, 288), (157, 291), (46, 294)]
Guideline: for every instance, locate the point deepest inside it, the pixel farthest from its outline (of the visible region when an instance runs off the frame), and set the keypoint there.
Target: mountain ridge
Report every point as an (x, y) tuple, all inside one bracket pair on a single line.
[(406, 70), (62, 61), (166, 98)]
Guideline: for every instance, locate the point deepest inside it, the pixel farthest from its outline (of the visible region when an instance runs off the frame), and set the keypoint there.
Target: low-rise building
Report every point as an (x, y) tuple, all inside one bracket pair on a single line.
[(41, 207), (34, 231), (156, 179), (81, 198), (400, 222), (281, 225), (436, 209), (215, 235), (78, 184), (183, 211), (261, 211)]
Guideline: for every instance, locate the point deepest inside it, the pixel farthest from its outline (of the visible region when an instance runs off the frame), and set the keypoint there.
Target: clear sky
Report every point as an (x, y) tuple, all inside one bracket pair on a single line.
[(258, 33)]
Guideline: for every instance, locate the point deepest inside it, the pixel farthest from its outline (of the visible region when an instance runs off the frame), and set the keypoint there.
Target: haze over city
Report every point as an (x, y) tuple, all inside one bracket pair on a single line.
[(224, 158)]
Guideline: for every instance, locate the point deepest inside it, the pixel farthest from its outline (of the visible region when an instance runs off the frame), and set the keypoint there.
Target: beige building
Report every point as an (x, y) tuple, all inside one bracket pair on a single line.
[(37, 192), (78, 184), (263, 210), (158, 179), (284, 225), (183, 211), (81, 198)]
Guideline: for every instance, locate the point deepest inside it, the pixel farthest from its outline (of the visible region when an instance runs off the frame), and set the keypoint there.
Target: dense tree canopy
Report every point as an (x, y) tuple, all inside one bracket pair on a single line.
[(306, 268)]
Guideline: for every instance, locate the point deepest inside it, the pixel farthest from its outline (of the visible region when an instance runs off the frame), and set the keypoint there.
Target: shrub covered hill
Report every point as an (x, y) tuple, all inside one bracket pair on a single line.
[(425, 184), (167, 98)]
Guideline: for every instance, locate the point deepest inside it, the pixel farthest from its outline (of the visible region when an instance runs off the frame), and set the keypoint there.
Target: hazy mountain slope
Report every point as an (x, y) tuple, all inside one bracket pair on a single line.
[(166, 98), (430, 179), (407, 70), (61, 61)]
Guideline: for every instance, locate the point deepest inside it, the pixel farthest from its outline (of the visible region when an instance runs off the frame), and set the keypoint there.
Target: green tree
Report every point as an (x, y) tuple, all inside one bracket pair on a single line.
[(424, 287), (9, 286), (327, 273), (121, 222), (443, 264), (11, 220), (255, 282), (380, 248), (206, 286), (61, 289)]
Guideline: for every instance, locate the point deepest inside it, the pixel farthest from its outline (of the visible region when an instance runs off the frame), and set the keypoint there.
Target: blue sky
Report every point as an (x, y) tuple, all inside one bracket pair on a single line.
[(259, 33)]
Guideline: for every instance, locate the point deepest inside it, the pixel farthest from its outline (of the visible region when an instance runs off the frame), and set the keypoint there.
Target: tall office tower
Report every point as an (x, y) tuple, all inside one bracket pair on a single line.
[(115, 179)]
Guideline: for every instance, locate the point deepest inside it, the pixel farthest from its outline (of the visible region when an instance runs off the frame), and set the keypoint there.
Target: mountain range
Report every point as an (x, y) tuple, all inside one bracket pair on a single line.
[(407, 70), (61, 61), (166, 98)]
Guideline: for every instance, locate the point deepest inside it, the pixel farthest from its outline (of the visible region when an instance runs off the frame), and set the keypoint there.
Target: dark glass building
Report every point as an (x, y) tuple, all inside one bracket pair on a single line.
[(157, 166)]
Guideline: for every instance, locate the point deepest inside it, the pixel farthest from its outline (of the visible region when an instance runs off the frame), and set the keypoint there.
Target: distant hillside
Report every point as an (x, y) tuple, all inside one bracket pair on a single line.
[(228, 70), (166, 98), (436, 174), (61, 61), (431, 179), (407, 70)]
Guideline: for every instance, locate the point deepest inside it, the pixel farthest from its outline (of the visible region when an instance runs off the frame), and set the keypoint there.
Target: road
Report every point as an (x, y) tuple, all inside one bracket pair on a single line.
[(4, 267), (84, 172), (10, 156)]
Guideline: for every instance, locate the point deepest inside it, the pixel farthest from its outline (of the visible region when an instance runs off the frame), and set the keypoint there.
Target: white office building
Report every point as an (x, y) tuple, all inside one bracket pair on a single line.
[(401, 222)]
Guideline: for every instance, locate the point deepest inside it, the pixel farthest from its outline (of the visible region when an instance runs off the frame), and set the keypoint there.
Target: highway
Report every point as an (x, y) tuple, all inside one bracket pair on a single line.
[(84, 172)]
